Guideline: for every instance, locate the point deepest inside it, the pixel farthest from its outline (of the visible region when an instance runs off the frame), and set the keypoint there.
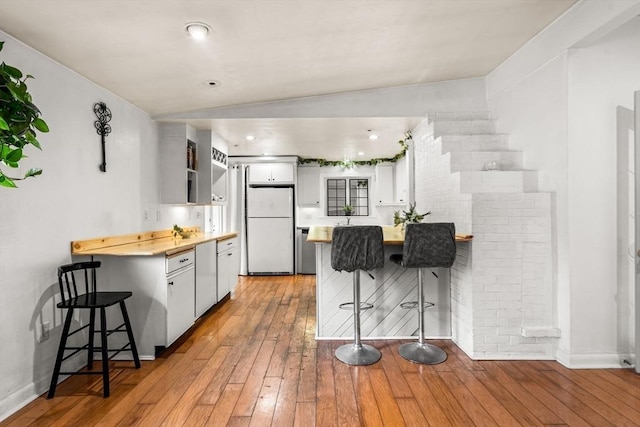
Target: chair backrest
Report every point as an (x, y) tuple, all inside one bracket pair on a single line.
[(357, 247), (428, 245), (72, 275)]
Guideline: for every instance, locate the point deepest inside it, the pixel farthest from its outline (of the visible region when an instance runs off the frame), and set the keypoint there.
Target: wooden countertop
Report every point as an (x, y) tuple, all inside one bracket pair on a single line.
[(144, 244), (391, 235)]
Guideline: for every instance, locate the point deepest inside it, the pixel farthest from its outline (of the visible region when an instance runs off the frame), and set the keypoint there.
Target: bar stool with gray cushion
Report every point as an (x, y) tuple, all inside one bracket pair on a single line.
[(356, 248), (426, 245)]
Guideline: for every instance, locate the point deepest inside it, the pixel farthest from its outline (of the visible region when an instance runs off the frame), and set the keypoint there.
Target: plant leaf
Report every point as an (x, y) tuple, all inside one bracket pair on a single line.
[(33, 172), (12, 71), (41, 125), (5, 181), (3, 124), (14, 156)]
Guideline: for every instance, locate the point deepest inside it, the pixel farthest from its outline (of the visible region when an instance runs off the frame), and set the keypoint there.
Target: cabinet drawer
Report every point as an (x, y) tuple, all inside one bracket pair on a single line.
[(225, 245), (179, 260)]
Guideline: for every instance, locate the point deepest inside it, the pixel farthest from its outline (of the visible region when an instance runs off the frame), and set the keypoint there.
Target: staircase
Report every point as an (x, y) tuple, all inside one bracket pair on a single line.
[(501, 283)]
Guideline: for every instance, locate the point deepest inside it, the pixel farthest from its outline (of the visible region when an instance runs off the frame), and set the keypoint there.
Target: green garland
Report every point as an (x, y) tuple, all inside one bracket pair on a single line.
[(372, 162)]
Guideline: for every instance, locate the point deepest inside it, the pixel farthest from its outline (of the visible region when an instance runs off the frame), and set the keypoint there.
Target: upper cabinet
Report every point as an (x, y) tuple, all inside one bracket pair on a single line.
[(392, 181), (178, 163), (212, 151), (308, 186), (271, 173), (385, 180), (193, 165), (402, 181)]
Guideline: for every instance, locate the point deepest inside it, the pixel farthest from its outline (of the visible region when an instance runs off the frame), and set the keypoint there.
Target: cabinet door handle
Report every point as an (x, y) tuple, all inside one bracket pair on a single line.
[(229, 254), (171, 283)]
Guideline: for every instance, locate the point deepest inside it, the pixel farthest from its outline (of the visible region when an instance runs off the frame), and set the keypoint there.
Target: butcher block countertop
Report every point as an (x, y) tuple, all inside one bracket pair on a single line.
[(147, 243), (391, 235)]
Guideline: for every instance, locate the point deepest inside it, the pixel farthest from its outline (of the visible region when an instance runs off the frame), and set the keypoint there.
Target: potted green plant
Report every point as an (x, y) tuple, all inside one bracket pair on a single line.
[(348, 210), (408, 217), (19, 120), (179, 231)]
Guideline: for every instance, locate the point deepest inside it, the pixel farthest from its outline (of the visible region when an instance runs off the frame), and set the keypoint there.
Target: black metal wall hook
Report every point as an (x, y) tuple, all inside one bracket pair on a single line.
[(103, 128)]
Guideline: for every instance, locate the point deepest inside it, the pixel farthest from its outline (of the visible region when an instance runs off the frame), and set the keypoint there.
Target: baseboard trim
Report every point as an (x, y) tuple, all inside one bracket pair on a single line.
[(18, 400), (595, 361)]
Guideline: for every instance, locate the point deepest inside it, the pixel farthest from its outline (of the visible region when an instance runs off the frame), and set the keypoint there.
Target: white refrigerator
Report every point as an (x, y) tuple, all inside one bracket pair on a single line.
[(270, 230)]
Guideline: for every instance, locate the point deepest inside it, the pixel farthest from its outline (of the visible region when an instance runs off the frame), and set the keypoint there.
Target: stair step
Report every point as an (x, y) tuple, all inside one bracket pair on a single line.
[(480, 160), (463, 127), (498, 181), (481, 142), (470, 115)]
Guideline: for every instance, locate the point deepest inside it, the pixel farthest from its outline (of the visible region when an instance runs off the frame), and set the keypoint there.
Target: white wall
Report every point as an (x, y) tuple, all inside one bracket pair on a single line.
[(71, 200), (602, 77), (557, 104)]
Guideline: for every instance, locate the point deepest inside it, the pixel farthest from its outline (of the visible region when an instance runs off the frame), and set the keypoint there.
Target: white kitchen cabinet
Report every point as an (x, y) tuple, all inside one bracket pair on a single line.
[(308, 187), (402, 181), (228, 266), (178, 163), (385, 184), (162, 305), (206, 294), (271, 173), (180, 303)]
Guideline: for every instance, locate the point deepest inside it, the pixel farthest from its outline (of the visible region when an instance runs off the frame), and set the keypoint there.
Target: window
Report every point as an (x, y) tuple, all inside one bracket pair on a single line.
[(353, 192)]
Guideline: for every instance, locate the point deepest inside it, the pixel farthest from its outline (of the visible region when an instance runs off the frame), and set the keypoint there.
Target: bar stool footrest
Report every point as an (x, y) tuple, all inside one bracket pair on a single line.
[(349, 306), (412, 305)]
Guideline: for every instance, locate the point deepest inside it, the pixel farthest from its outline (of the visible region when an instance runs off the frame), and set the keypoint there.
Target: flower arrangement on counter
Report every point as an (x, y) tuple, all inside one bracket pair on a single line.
[(408, 217), (348, 164)]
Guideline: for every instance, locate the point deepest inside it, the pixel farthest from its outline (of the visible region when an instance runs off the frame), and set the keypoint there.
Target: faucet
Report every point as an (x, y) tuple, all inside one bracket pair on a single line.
[(348, 220)]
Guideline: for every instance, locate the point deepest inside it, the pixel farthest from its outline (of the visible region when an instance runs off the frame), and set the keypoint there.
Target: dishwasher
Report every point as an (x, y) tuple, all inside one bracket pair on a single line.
[(306, 252), (180, 293)]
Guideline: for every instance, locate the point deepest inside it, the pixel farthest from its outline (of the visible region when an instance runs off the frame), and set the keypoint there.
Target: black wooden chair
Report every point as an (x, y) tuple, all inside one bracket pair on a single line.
[(426, 245), (68, 276)]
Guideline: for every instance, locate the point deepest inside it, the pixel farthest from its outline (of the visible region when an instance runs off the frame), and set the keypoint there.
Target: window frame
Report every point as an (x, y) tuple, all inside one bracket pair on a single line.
[(333, 202)]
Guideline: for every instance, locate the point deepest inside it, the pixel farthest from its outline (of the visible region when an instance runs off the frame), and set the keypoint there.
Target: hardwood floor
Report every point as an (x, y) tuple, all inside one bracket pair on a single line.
[(254, 362)]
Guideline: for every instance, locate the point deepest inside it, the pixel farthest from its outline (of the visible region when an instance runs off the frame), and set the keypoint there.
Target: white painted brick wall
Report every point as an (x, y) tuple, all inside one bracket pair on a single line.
[(481, 160), (463, 127), (501, 283)]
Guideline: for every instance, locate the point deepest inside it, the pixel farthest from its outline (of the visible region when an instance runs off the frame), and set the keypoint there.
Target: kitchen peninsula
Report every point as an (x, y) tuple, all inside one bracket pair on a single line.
[(174, 280), (386, 288)]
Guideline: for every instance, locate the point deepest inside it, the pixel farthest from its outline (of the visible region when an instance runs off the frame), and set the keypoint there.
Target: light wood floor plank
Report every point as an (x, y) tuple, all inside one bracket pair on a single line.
[(411, 414), (221, 411), (265, 406), (326, 408)]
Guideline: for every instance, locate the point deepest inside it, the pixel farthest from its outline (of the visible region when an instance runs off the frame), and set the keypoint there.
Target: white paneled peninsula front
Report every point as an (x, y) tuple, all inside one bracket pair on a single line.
[(173, 280), (386, 289)]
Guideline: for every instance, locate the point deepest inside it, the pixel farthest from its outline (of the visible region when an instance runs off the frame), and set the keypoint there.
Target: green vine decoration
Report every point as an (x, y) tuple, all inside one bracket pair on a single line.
[(404, 143)]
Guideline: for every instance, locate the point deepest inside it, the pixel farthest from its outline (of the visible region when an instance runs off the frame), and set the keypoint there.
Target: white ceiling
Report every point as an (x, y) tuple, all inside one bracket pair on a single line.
[(270, 50)]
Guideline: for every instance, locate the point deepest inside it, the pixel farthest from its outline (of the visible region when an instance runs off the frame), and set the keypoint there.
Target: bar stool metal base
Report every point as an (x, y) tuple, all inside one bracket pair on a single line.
[(358, 355), (426, 354)]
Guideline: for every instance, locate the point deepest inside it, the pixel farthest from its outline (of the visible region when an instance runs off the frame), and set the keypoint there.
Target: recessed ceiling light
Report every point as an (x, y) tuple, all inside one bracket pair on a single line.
[(249, 137), (373, 137), (197, 30), (266, 154), (360, 153)]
